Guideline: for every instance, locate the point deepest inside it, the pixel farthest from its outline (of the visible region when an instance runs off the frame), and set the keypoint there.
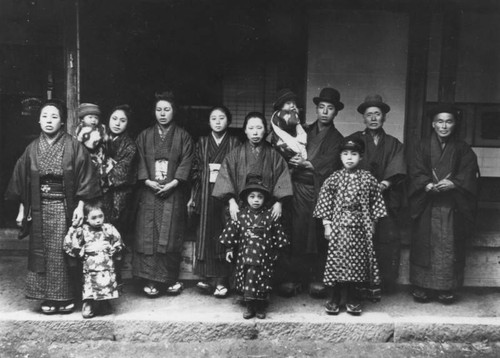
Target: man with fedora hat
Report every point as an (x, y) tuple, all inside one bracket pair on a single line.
[(384, 158), (305, 263), (443, 198)]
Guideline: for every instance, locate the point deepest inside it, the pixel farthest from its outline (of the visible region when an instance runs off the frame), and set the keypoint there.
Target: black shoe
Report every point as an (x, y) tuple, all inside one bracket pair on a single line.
[(374, 294), (317, 290), (249, 311), (260, 309), (332, 308), (289, 289), (354, 308), (421, 295)]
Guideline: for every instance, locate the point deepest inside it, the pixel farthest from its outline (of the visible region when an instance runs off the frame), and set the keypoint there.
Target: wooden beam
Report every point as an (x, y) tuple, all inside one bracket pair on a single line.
[(72, 60), (449, 55), (416, 81)]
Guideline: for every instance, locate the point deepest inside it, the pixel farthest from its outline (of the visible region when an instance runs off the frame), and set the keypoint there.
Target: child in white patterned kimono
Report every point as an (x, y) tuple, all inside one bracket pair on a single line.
[(350, 203), (96, 243), (256, 238)]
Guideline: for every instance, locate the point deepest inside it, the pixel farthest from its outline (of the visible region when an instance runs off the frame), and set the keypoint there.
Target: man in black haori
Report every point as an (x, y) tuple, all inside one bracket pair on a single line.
[(384, 158), (443, 198), (305, 262)]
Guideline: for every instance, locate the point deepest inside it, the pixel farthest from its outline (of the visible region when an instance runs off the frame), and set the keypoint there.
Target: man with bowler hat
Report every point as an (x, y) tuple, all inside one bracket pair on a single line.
[(304, 264), (384, 159), (443, 198)]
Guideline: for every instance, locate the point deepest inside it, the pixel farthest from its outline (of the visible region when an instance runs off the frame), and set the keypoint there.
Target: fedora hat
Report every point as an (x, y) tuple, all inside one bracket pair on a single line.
[(254, 183), (444, 108), (282, 96), (373, 101), (330, 95)]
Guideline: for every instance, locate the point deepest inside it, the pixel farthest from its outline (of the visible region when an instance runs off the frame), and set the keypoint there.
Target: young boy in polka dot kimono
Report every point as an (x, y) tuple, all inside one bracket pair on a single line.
[(255, 238), (350, 202)]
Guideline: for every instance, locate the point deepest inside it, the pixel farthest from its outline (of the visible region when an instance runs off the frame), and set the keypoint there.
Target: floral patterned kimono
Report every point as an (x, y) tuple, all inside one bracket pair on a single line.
[(352, 202), (256, 257), (96, 247)]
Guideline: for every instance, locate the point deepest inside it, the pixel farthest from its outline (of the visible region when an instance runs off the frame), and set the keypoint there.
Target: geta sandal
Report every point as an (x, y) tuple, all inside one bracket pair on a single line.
[(204, 286), (175, 289), (221, 291), (151, 290), (354, 309), (88, 310), (48, 307)]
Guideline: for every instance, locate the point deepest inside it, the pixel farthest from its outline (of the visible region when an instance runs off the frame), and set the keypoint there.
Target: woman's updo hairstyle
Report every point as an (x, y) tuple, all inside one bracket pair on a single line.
[(224, 110), (59, 104), (255, 115), (166, 96)]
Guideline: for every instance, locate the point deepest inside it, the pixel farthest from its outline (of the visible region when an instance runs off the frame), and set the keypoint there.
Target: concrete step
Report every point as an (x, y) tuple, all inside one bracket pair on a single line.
[(192, 317)]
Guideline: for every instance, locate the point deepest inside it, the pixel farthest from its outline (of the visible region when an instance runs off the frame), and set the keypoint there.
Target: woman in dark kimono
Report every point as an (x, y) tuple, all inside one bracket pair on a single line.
[(122, 170), (258, 157), (51, 180), (209, 153), (165, 152)]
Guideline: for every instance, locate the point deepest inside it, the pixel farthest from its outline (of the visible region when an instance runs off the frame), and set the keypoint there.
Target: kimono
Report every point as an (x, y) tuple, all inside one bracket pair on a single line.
[(256, 256), (49, 179), (385, 161), (442, 222), (121, 179), (99, 277), (244, 160), (208, 157), (160, 222), (351, 201), (95, 139), (308, 248)]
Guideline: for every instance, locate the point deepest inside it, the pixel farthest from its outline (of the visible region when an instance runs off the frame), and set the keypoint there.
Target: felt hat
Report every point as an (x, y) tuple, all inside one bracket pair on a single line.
[(353, 144), (444, 108), (85, 109), (373, 101), (254, 183), (282, 96), (330, 95)]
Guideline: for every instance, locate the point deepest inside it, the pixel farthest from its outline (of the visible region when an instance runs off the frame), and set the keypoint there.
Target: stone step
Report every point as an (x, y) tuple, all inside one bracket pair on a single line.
[(193, 317)]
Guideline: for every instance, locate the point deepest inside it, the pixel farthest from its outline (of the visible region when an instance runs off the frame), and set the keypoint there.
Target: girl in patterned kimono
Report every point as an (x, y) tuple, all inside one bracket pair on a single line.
[(350, 203), (210, 263), (257, 238), (96, 243)]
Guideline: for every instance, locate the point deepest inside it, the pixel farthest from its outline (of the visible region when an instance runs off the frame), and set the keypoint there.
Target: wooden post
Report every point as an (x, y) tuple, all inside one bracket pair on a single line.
[(416, 82), (72, 60), (449, 56)]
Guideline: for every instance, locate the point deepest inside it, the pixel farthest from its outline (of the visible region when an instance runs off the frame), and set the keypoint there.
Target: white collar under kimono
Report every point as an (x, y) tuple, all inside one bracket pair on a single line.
[(218, 141)]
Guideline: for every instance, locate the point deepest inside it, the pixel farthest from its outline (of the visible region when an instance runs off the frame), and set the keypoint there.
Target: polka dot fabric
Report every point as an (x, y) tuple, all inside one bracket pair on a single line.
[(256, 239), (352, 201)]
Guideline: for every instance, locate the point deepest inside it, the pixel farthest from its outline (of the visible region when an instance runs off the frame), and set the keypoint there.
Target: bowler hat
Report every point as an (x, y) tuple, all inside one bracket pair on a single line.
[(254, 183), (373, 101), (353, 144), (282, 96), (443, 108), (330, 95)]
